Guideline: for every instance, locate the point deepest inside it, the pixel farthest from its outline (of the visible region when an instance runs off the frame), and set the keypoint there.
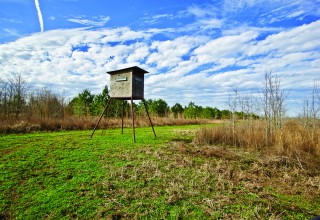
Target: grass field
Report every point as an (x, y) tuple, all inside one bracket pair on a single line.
[(67, 175)]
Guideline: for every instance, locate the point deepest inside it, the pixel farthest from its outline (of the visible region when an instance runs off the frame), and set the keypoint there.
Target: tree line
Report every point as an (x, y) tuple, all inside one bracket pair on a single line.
[(88, 104), (19, 101)]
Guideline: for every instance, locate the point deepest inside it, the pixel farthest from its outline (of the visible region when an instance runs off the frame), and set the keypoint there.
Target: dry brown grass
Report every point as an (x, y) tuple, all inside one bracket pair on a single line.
[(294, 141), (224, 177), (84, 123)]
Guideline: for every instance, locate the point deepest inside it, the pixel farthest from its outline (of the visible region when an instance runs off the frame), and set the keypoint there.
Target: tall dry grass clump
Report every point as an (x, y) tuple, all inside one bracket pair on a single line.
[(240, 136), (293, 140)]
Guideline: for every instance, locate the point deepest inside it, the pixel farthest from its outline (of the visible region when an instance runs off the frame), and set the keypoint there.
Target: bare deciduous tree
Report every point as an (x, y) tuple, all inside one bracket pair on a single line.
[(13, 96), (232, 103), (45, 104), (311, 108), (273, 104)]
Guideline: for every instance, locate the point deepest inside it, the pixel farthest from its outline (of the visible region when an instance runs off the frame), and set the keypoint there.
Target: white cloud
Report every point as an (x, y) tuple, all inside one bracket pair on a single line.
[(302, 38), (95, 21), (200, 68), (207, 10), (169, 53), (226, 47), (154, 19), (11, 20), (210, 23), (138, 53), (276, 11), (296, 14), (12, 32), (48, 58)]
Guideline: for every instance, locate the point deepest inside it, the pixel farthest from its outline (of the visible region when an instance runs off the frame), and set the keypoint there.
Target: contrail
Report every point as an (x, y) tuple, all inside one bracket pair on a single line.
[(39, 15)]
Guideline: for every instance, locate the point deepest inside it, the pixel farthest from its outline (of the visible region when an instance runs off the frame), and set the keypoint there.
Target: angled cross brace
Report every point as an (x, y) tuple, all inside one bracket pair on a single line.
[(145, 105), (105, 109)]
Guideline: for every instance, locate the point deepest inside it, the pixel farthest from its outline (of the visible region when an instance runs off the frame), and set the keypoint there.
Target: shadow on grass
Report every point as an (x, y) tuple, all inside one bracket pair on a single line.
[(187, 140)]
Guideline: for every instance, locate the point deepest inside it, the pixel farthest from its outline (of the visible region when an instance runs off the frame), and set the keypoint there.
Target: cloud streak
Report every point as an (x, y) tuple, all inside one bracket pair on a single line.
[(98, 22), (36, 2)]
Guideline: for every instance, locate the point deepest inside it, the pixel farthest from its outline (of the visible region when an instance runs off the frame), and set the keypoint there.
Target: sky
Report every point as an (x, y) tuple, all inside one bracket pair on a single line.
[(198, 51)]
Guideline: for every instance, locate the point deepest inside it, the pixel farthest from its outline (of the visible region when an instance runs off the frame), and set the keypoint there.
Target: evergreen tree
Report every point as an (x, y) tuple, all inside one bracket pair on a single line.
[(208, 113), (217, 113), (99, 102), (82, 103), (177, 110), (192, 111)]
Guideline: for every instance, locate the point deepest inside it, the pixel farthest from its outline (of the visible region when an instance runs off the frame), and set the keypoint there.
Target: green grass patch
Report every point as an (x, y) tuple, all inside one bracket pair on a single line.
[(67, 175)]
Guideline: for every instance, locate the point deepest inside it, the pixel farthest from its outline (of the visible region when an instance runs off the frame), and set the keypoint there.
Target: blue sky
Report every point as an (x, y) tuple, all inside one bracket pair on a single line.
[(193, 50)]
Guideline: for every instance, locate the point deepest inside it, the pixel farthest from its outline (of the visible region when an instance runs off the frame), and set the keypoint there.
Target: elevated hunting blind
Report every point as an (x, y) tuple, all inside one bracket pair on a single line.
[(127, 84)]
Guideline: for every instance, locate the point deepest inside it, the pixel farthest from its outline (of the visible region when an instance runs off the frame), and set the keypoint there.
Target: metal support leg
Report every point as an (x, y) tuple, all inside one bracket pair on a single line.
[(132, 113), (145, 105), (105, 109), (122, 116)]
